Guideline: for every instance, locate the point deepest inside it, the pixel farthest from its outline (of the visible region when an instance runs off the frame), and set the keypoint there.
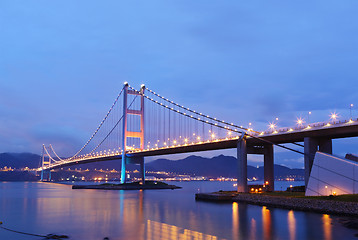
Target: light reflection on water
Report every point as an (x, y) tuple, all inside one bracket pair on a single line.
[(291, 224), (266, 223), (327, 229), (44, 208), (157, 230)]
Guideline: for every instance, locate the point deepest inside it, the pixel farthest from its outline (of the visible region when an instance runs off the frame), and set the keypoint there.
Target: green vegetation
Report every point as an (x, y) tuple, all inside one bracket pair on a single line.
[(340, 198), (226, 192), (284, 194)]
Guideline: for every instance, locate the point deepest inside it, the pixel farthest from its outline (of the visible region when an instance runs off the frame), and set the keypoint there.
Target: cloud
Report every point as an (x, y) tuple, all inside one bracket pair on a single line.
[(234, 61)]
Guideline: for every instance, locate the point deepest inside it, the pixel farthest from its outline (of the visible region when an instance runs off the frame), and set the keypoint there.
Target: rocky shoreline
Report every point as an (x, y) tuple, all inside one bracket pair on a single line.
[(295, 203)]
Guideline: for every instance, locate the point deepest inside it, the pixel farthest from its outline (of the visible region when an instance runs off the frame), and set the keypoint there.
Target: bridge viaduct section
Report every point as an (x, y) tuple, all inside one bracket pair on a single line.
[(316, 138), (311, 146)]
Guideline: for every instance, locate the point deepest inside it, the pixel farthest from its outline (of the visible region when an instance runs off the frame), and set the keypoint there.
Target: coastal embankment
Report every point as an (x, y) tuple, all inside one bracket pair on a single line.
[(312, 204)]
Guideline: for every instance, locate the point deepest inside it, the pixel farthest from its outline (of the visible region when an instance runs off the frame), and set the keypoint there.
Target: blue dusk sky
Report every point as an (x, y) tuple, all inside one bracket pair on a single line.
[(62, 63)]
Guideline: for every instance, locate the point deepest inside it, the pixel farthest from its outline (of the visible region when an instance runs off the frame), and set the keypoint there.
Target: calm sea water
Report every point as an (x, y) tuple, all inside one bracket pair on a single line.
[(44, 208)]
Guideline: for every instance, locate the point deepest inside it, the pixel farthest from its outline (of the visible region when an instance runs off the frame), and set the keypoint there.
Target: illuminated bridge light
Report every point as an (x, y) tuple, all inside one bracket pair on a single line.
[(272, 126), (300, 121), (334, 116)]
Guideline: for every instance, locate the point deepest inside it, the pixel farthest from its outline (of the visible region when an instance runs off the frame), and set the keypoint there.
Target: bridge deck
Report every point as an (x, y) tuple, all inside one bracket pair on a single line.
[(319, 130)]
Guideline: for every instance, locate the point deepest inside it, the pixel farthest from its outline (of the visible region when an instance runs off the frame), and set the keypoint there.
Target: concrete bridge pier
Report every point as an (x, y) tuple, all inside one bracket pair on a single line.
[(242, 151), (123, 168), (137, 160), (311, 146), (142, 170), (45, 175), (242, 165), (269, 177)]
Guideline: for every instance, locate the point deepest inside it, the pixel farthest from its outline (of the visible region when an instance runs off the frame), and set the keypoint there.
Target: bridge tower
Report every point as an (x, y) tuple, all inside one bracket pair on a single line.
[(46, 162), (131, 134)]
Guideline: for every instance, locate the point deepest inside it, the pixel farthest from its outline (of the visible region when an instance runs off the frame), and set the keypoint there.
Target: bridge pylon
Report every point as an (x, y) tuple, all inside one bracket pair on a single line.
[(132, 134), (45, 162)]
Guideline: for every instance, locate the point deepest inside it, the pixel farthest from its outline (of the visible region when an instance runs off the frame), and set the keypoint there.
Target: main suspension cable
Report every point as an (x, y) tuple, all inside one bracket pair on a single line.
[(100, 125), (195, 112), (112, 128), (55, 153), (215, 124)]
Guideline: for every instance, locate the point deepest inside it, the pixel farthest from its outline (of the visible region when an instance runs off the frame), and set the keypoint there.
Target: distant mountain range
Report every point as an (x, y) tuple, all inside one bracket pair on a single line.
[(219, 166), (20, 160)]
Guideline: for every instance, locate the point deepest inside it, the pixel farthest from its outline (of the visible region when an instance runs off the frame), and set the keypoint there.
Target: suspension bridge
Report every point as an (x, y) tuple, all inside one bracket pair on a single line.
[(142, 123)]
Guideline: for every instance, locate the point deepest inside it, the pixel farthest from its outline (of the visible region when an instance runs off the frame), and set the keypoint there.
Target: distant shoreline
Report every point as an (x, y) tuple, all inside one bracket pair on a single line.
[(149, 185)]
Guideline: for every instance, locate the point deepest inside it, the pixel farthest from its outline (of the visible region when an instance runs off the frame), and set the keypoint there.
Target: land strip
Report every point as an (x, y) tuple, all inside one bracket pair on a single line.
[(128, 186), (295, 202)]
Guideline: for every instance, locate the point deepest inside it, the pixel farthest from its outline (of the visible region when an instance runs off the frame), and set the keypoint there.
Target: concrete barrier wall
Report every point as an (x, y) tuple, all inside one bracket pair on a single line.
[(332, 175)]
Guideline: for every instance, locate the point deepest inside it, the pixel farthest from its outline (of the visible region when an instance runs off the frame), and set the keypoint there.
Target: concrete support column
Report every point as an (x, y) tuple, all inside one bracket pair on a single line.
[(325, 145), (242, 165), (142, 170), (310, 149), (269, 176), (123, 168), (45, 175), (311, 146)]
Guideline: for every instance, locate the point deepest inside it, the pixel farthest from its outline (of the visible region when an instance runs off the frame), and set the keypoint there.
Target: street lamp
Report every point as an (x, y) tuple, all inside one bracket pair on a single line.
[(300, 121), (272, 126), (250, 128), (334, 116)]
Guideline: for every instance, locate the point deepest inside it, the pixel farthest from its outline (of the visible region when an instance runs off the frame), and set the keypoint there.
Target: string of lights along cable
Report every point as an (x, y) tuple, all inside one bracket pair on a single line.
[(143, 120)]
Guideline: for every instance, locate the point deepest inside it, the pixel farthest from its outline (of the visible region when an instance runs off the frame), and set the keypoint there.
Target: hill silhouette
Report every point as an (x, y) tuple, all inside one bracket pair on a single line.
[(219, 166)]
